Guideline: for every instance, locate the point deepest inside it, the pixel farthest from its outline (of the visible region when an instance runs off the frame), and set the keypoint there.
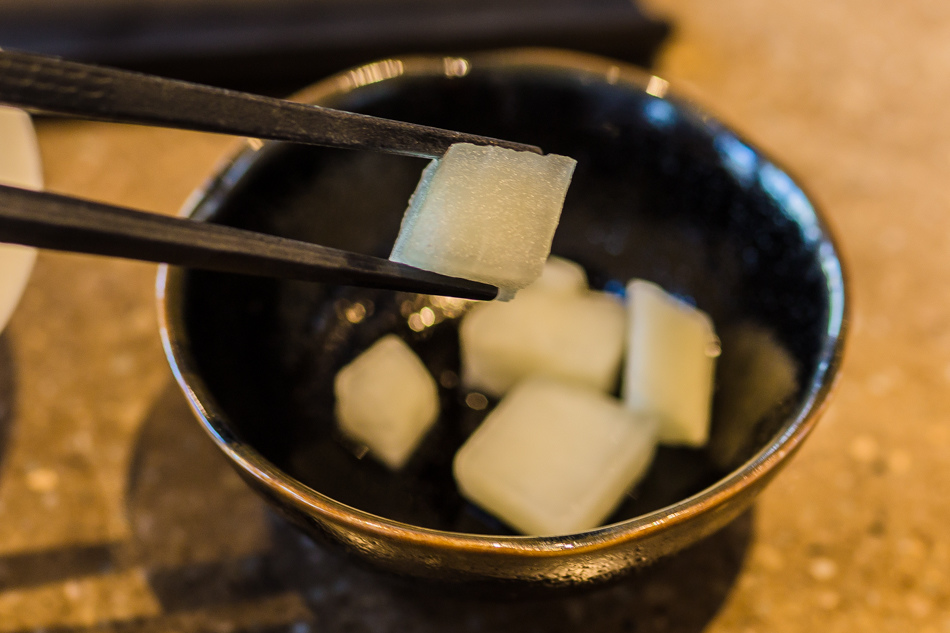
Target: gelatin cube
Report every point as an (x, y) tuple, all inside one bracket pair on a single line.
[(560, 276), (486, 214), (387, 400), (757, 376), (555, 458), (671, 357), (576, 337)]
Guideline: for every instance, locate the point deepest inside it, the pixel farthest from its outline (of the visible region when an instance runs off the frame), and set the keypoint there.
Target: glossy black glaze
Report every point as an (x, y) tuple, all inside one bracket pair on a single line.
[(650, 198), (661, 191)]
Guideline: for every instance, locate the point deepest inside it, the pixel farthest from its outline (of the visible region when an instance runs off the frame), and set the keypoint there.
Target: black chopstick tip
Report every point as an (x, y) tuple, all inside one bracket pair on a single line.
[(433, 283), (465, 289), (489, 294)]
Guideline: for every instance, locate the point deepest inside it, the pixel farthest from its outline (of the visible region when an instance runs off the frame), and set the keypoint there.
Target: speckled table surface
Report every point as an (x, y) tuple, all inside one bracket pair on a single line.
[(105, 518)]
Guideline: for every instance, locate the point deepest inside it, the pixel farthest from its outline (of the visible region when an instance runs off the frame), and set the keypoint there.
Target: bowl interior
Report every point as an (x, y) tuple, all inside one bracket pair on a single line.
[(661, 192)]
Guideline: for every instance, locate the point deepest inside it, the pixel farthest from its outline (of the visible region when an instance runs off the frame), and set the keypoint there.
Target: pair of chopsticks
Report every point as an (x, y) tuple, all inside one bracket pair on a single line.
[(46, 220)]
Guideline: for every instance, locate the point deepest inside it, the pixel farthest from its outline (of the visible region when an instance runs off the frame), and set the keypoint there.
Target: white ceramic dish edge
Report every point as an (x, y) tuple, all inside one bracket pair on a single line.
[(20, 166)]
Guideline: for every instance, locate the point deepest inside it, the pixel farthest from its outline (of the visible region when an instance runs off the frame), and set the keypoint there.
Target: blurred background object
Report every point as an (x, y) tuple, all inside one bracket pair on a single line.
[(277, 46)]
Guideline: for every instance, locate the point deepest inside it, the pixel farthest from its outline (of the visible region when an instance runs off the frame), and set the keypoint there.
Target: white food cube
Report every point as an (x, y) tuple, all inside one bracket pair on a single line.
[(671, 357), (560, 276), (486, 214), (555, 458), (387, 400), (575, 337), (756, 375)]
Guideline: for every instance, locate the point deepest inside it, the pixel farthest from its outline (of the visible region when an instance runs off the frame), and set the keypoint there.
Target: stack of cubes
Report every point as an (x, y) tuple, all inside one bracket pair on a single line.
[(559, 452)]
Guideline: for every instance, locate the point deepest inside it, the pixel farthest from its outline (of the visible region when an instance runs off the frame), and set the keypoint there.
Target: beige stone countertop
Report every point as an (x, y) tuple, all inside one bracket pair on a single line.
[(851, 96)]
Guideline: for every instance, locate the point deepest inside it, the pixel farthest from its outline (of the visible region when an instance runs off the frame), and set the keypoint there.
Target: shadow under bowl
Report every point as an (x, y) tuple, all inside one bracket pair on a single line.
[(662, 191)]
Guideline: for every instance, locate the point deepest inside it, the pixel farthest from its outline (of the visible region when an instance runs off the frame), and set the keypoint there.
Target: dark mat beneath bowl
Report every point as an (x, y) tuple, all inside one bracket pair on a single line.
[(278, 46), (218, 560)]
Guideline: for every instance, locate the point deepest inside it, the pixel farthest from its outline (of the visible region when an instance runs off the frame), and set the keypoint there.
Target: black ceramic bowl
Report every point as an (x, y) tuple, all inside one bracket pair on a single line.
[(662, 191)]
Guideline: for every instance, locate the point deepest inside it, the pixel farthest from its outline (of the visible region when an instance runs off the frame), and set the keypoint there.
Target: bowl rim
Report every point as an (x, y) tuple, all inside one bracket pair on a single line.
[(764, 463)]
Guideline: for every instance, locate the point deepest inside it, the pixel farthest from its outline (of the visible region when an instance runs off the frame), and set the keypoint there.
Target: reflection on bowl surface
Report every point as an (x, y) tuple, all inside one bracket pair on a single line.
[(661, 192)]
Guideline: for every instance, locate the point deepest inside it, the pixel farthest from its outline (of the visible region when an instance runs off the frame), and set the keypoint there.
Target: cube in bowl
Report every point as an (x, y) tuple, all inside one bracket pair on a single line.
[(555, 458), (561, 276), (671, 358), (577, 337), (387, 400)]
